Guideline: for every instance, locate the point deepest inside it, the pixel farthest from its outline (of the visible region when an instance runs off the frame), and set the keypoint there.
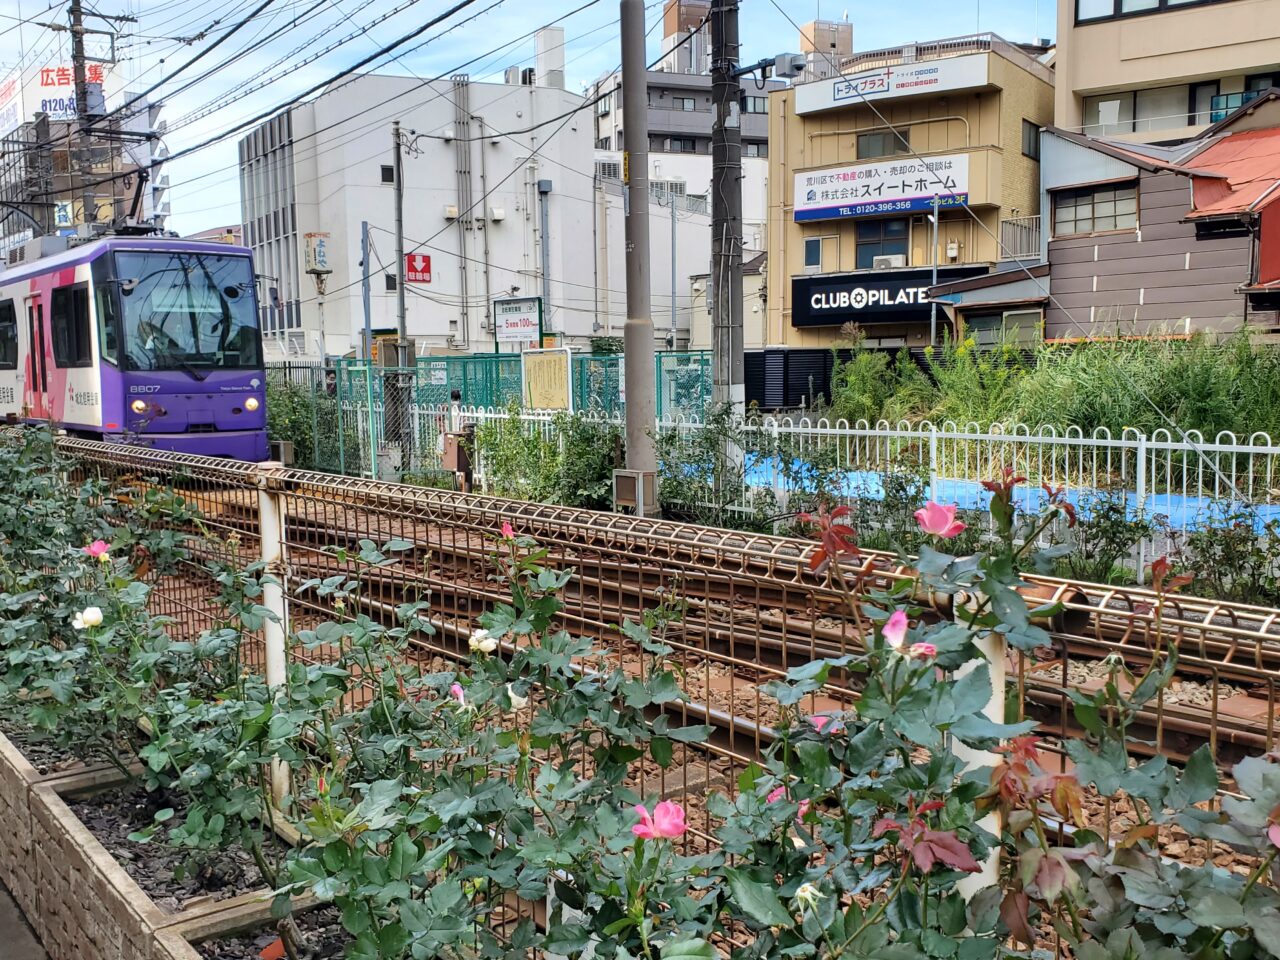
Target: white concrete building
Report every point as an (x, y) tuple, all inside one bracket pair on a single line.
[(481, 159)]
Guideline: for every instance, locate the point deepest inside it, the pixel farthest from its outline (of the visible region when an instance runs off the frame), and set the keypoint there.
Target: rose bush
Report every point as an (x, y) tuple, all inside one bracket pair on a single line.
[(434, 808)]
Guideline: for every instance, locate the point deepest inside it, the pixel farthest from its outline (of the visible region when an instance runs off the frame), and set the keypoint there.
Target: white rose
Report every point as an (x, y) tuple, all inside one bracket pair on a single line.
[(88, 617), (517, 702), (481, 642), (808, 896)]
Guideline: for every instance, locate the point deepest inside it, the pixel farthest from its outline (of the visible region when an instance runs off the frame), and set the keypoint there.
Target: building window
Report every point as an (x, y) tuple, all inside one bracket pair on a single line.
[(1140, 111), (755, 149), (883, 144), (608, 170), (1095, 210), (1087, 10), (687, 104), (813, 253), (881, 238), (1031, 139), (604, 143), (682, 145), (755, 104), (1018, 328), (388, 173), (8, 336), (821, 254), (1200, 102), (390, 280), (69, 314), (604, 105)]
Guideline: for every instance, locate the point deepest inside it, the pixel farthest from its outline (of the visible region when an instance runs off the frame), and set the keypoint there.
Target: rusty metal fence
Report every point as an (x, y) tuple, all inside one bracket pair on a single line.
[(750, 609)]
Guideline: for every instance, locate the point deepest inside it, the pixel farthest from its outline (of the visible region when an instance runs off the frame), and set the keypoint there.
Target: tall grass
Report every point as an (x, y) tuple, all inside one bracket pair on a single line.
[(1202, 383)]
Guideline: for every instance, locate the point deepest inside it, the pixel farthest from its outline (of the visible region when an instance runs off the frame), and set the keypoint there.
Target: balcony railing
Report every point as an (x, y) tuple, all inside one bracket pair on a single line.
[(1223, 104), (941, 50), (1020, 238)]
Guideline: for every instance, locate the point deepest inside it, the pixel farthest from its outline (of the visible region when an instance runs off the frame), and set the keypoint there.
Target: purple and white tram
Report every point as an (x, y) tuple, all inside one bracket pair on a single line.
[(143, 340)]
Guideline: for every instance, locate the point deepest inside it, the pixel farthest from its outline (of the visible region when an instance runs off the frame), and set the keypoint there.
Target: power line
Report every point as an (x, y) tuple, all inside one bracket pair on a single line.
[(218, 102), (403, 93), (355, 134), (218, 138)]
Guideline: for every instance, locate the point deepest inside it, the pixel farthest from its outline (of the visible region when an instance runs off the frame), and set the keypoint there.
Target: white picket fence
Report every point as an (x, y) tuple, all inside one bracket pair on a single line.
[(1187, 480)]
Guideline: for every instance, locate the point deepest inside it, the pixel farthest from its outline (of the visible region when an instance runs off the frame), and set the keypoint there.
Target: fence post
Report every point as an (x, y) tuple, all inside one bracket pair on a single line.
[(317, 391), (933, 462), (994, 649), (343, 373), (1140, 483), (275, 629)]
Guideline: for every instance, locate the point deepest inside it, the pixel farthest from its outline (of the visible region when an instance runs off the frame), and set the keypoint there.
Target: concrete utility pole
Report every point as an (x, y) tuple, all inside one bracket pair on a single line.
[(727, 383), (544, 228), (397, 162), (638, 356), (84, 167), (933, 307), (366, 350)]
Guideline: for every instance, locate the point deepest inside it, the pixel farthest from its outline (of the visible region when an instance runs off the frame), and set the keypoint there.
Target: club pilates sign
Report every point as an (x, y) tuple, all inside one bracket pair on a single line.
[(898, 296)]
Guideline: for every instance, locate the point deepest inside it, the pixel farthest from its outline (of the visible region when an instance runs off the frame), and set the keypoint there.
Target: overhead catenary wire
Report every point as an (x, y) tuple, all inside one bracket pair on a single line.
[(586, 104), (355, 133)]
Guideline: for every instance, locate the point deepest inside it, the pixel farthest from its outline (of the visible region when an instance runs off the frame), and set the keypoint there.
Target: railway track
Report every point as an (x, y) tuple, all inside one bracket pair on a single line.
[(751, 606)]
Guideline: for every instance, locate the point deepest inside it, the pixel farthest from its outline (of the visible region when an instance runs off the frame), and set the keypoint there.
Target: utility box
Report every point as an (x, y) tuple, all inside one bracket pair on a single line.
[(635, 491), (457, 453)]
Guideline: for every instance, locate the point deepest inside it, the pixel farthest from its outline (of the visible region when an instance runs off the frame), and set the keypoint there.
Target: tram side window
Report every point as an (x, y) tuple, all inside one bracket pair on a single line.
[(107, 323), (72, 343), (8, 336)]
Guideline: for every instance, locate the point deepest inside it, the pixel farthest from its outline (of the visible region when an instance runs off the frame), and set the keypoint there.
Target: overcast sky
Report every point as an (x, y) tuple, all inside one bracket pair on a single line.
[(205, 187)]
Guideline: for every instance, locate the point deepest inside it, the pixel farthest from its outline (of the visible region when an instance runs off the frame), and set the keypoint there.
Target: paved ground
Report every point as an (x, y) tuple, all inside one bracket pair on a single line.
[(16, 939)]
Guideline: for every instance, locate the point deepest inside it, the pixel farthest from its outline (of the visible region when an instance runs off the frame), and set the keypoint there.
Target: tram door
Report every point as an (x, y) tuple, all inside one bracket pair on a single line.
[(36, 397)]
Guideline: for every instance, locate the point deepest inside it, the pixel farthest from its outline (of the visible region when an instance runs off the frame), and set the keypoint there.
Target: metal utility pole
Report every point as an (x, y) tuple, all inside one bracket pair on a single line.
[(638, 358), (727, 384), (544, 202), (402, 331), (84, 147), (671, 199), (933, 306), (367, 341)]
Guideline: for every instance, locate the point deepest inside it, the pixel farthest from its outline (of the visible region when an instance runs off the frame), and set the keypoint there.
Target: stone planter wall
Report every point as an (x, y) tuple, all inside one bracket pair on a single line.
[(17, 777), (81, 904)]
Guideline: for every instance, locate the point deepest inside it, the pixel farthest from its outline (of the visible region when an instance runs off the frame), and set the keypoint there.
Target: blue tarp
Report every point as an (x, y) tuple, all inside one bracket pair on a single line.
[(1180, 511)]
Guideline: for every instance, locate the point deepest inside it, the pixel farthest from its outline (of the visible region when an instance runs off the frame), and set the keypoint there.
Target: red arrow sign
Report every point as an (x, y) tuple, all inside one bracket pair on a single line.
[(417, 268)]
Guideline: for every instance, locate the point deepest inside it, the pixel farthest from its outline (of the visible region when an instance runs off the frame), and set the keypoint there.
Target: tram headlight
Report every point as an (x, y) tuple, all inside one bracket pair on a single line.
[(138, 406), (251, 404)]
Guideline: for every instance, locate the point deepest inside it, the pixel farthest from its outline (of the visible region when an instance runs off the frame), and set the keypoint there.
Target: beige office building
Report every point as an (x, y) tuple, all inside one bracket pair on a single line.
[(1161, 71), (856, 163)]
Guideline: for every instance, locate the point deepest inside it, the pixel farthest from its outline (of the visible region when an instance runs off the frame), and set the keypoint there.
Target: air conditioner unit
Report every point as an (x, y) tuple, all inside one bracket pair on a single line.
[(889, 262), (451, 211)]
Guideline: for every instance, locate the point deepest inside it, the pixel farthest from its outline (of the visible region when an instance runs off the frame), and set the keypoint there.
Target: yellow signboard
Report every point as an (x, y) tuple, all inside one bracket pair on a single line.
[(547, 376)]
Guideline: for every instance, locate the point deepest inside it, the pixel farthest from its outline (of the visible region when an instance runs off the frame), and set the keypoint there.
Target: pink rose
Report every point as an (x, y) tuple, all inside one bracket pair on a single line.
[(939, 521), (895, 631), (98, 549), (455, 691), (667, 822), (824, 724), (923, 650), (508, 531), (776, 794), (804, 809)]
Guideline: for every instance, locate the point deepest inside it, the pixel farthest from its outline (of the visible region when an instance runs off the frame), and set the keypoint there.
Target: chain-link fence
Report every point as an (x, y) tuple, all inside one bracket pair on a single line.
[(358, 419)]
